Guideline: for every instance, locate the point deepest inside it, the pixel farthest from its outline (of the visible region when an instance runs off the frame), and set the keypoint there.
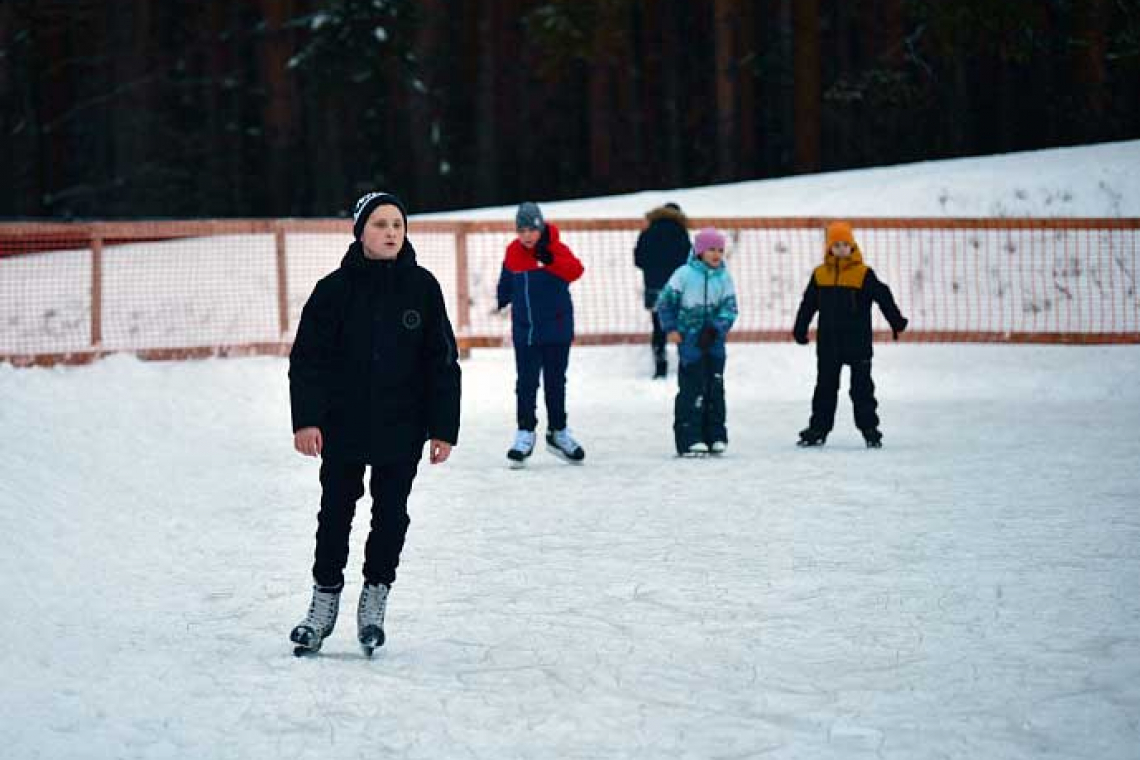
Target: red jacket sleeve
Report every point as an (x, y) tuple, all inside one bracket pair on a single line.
[(565, 264)]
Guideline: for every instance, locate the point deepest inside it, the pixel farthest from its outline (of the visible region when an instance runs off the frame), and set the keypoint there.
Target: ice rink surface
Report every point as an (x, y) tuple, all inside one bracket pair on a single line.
[(972, 590)]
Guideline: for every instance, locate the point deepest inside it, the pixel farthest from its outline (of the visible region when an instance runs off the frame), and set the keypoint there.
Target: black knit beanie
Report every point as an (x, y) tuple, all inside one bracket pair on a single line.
[(368, 203)]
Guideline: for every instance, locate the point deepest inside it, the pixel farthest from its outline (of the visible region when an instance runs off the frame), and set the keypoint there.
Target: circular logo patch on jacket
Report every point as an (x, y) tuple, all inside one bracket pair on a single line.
[(412, 319)]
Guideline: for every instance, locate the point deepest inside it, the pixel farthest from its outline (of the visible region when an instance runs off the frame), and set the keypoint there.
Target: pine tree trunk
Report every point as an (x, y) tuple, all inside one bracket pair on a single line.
[(50, 95), (486, 156), (278, 112), (1089, 56), (672, 106), (19, 195), (808, 95), (725, 24), (884, 29), (603, 92), (425, 125), (746, 84)]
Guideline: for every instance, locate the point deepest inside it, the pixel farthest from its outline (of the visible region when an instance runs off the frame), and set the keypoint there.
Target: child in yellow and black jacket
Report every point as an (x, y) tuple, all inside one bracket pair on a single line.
[(842, 290)]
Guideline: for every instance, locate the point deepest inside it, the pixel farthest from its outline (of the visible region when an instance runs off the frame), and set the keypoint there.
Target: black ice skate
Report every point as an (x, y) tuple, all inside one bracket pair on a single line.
[(660, 365), (370, 616), (811, 437), (562, 445), (873, 438), (311, 632), (522, 448)]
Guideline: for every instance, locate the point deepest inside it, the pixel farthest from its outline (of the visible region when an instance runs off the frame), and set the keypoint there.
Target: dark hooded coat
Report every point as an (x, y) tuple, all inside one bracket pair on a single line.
[(661, 248), (374, 364)]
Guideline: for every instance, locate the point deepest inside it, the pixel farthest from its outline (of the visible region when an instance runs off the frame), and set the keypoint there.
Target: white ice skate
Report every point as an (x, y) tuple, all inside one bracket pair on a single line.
[(521, 449), (562, 445)]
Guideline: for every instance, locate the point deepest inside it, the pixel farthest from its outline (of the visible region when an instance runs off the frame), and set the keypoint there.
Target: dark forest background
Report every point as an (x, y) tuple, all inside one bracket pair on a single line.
[(248, 108)]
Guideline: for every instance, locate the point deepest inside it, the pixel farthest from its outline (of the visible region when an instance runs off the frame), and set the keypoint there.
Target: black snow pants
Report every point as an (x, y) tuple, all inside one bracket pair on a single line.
[(657, 339), (342, 485), (826, 396), (699, 411)]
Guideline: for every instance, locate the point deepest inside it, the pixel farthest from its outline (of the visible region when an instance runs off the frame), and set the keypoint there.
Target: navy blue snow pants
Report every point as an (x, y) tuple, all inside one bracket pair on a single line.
[(551, 362)]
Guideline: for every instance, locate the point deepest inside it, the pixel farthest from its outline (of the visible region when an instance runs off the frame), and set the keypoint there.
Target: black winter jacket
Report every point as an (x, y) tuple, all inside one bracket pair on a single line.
[(661, 247), (842, 293), (374, 364)]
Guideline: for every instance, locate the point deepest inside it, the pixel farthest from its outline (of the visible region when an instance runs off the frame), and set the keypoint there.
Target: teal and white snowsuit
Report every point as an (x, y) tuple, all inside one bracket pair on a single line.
[(699, 300)]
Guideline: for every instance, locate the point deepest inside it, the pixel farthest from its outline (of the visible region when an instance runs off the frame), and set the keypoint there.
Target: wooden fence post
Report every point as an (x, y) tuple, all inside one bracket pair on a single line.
[(96, 291), (462, 289), (282, 282)]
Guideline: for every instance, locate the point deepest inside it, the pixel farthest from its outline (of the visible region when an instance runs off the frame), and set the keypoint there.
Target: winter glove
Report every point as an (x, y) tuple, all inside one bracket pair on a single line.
[(801, 338), (899, 327), (542, 247), (707, 337)]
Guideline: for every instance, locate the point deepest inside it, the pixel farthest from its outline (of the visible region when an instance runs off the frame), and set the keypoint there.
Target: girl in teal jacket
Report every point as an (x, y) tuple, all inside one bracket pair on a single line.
[(697, 308)]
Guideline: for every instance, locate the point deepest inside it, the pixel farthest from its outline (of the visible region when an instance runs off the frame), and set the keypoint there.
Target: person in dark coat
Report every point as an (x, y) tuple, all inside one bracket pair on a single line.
[(842, 290), (661, 249), (373, 375), (535, 281)]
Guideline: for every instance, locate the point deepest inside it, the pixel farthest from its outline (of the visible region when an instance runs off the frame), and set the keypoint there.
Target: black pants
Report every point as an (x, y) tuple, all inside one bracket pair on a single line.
[(826, 394), (342, 485), (551, 362), (657, 339), (699, 411)]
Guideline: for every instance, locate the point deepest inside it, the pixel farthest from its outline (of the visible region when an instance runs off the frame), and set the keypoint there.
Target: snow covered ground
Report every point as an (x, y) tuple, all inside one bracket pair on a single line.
[(1101, 180), (968, 591)]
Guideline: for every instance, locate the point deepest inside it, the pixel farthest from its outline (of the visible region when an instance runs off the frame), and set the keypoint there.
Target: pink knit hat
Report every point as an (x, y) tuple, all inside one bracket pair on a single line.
[(706, 239)]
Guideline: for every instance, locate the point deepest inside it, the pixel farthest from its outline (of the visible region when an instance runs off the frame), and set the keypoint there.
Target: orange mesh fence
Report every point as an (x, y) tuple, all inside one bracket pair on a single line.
[(71, 292)]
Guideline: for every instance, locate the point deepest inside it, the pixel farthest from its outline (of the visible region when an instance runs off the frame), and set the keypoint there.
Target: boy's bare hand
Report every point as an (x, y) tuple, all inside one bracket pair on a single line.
[(674, 337), (440, 451), (309, 441)]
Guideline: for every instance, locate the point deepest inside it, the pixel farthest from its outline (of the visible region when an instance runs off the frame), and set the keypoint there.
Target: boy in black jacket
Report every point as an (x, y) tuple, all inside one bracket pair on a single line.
[(373, 374), (842, 290)]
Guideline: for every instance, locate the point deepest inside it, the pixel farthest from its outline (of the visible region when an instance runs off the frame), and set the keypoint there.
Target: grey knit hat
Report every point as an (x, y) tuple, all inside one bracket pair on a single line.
[(529, 217)]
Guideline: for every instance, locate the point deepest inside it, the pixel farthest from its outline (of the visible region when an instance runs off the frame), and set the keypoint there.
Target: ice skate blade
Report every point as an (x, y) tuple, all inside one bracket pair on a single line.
[(564, 456), (303, 636), (306, 639), (370, 638), (516, 460)]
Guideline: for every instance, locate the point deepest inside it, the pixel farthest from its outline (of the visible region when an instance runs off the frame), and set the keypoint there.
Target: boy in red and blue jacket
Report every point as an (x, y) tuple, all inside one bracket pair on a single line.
[(535, 280)]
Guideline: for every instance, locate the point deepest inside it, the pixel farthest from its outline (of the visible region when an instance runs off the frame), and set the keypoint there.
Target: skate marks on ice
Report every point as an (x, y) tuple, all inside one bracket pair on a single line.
[(967, 592)]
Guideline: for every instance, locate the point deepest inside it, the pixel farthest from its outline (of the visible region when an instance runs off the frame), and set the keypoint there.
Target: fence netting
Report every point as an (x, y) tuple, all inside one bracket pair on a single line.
[(70, 292)]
